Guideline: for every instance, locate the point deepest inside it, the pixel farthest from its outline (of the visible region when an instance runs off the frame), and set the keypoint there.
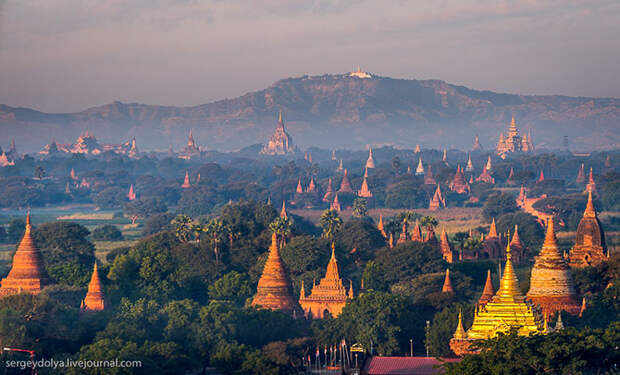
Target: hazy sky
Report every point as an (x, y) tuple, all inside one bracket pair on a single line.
[(67, 55)]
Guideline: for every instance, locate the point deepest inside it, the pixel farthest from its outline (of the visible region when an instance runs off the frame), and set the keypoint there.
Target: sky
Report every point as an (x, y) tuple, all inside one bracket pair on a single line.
[(68, 55)]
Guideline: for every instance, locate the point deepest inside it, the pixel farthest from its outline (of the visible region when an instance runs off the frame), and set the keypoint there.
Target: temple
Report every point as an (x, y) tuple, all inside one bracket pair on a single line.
[(444, 245), (94, 300), (491, 245), (328, 297), (458, 183), (345, 185), (335, 205), (589, 248), (417, 233), (131, 195), (419, 171), (86, 143), (186, 183), (447, 284), (428, 177), (365, 192), (280, 143), (404, 233), (273, 290), (519, 252), (551, 284), (512, 142), (477, 146), (470, 165), (438, 201), (488, 292), (329, 192), (27, 274), (485, 176), (370, 163), (507, 310)]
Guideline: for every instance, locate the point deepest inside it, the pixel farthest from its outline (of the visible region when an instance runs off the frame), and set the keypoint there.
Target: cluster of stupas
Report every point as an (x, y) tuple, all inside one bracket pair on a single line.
[(551, 287), (274, 291), (493, 246), (7, 158), (513, 142), (191, 150), (88, 144), (508, 309), (280, 143), (28, 274)]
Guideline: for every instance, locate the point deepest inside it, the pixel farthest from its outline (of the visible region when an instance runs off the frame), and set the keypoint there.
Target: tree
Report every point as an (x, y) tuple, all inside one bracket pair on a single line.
[(331, 223), (233, 286), (569, 351), (396, 163), (497, 205), (428, 221), (282, 227), (67, 253), (16, 230), (216, 230), (442, 328), (143, 208), (39, 172), (107, 232), (182, 225), (157, 223), (360, 207)]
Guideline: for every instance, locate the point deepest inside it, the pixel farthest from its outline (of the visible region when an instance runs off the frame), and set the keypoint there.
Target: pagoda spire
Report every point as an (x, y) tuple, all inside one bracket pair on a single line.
[(283, 210), (94, 300), (419, 171), (445, 156), (302, 291), (27, 272), (273, 290), (370, 163), (417, 233), (492, 230), (541, 177), (345, 185), (444, 245), (404, 234), (470, 165), (186, 183), (332, 266), (488, 292), (583, 307), (327, 197), (460, 333), (489, 165), (299, 189), (509, 284), (380, 226), (589, 248), (516, 241), (447, 284), (365, 192), (581, 175), (131, 195)]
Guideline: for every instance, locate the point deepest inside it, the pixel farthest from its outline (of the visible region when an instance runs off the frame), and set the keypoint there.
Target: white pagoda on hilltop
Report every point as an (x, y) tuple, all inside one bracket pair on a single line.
[(359, 74)]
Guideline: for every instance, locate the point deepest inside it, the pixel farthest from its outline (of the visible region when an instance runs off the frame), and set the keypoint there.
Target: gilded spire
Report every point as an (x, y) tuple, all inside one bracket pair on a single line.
[(332, 266), (94, 300), (350, 295), (509, 285), (302, 291), (460, 333)]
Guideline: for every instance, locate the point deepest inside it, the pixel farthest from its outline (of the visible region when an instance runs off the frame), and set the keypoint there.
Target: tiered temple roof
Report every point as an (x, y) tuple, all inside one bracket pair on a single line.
[(458, 183), (551, 285), (345, 185), (518, 248), (94, 300), (590, 247), (428, 177), (507, 310), (281, 142), (27, 272), (419, 171), (512, 142), (438, 201), (274, 290), (485, 176), (365, 192), (328, 296)]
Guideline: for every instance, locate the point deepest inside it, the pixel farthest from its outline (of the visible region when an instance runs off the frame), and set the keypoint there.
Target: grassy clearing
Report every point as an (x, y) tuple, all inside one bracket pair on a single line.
[(102, 248), (455, 219)]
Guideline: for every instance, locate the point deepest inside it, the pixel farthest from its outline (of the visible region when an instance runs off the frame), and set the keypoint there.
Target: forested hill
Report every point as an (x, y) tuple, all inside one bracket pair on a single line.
[(331, 111)]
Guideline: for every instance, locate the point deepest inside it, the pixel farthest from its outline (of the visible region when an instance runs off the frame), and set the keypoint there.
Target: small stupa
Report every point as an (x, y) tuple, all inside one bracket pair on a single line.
[(94, 300), (590, 247)]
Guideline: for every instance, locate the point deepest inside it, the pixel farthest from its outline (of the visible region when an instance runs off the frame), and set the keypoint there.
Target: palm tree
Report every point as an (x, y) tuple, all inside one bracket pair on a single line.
[(216, 230), (282, 227), (197, 231), (182, 227), (428, 221), (360, 207), (331, 223)]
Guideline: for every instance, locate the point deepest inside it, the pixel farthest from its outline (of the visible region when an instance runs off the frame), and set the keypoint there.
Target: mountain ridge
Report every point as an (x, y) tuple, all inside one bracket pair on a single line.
[(336, 111)]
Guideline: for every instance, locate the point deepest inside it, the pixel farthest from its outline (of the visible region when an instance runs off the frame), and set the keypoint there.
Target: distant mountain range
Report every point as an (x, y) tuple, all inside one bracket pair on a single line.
[(334, 111)]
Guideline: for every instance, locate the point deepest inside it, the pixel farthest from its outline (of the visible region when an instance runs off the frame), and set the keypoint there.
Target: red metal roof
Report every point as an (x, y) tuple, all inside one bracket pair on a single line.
[(404, 365)]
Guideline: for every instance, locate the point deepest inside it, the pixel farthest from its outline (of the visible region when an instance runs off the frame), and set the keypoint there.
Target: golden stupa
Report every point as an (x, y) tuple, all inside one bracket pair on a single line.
[(94, 300), (273, 291), (329, 296), (508, 310), (27, 273)]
